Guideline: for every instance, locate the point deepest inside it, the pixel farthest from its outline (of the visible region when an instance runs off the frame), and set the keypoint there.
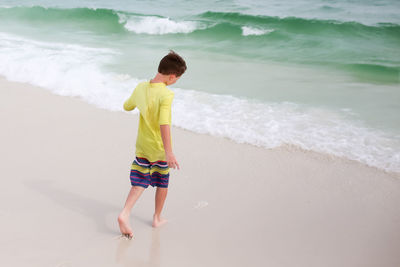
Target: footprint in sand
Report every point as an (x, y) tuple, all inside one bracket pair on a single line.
[(201, 204), (120, 237)]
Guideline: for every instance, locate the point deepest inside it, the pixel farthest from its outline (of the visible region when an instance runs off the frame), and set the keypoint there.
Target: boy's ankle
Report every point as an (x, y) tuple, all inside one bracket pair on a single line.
[(125, 213)]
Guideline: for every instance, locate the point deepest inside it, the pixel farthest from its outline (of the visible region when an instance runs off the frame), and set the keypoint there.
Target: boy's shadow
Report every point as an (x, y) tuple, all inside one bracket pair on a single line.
[(92, 208)]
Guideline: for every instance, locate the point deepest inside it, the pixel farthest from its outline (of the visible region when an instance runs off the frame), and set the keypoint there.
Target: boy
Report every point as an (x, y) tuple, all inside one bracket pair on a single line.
[(154, 154)]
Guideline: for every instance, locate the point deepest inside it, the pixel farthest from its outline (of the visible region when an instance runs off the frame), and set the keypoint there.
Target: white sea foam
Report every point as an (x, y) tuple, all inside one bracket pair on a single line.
[(254, 31), (156, 25), (65, 69), (73, 70), (271, 125)]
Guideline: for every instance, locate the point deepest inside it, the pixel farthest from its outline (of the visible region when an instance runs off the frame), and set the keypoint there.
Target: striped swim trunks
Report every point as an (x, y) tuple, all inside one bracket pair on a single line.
[(145, 173)]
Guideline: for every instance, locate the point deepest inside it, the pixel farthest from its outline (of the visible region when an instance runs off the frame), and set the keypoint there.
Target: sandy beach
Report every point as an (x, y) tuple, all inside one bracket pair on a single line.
[(65, 177)]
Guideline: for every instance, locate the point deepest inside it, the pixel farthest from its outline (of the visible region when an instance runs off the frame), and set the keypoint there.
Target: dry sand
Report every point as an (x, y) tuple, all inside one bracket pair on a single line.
[(65, 177)]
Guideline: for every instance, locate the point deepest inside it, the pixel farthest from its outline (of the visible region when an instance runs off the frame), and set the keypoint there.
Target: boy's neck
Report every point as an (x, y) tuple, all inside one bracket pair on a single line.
[(159, 78)]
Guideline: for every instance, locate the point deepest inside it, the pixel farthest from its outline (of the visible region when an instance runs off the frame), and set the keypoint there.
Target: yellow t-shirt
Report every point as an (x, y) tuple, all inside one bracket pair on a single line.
[(154, 103)]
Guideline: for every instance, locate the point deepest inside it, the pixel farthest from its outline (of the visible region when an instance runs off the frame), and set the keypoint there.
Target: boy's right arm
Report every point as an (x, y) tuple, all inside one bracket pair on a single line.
[(165, 129), (166, 138)]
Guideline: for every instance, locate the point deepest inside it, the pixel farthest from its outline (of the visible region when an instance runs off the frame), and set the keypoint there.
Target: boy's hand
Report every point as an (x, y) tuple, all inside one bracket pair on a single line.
[(172, 162)]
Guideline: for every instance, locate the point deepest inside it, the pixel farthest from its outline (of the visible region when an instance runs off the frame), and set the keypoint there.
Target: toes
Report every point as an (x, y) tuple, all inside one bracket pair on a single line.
[(129, 236)]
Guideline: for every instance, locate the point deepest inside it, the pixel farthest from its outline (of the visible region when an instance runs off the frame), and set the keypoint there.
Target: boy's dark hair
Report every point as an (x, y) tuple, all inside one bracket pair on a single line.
[(172, 64)]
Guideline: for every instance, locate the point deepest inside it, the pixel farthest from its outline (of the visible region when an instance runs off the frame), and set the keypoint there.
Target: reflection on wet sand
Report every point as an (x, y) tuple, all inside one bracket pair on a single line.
[(126, 258)]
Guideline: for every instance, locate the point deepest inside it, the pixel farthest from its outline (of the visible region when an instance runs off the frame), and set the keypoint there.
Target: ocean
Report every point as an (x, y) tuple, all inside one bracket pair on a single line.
[(320, 75)]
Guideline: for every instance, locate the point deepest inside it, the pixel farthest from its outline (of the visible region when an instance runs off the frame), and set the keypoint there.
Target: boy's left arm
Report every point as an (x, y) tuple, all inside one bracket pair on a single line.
[(130, 103)]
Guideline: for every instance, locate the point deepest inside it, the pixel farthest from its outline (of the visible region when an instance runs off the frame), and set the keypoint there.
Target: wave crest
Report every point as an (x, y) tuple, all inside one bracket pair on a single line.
[(246, 31), (157, 25)]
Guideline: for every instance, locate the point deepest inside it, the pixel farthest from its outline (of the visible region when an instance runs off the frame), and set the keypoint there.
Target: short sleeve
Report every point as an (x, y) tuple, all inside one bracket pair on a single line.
[(130, 103), (165, 109)]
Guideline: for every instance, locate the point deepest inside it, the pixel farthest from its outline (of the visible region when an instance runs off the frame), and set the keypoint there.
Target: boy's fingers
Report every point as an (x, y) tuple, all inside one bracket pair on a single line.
[(174, 165)]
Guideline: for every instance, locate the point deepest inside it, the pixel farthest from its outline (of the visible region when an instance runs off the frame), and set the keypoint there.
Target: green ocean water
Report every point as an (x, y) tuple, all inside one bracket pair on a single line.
[(324, 63)]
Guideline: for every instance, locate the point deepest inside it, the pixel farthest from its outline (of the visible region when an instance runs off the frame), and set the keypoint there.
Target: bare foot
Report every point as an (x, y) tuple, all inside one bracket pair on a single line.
[(123, 220), (158, 221)]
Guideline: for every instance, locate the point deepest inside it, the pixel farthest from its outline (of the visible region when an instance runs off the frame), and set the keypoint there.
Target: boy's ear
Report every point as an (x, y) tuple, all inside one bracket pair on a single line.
[(171, 77)]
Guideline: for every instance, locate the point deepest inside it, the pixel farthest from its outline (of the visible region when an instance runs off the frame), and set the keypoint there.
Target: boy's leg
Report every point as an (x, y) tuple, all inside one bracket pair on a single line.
[(123, 218), (161, 195)]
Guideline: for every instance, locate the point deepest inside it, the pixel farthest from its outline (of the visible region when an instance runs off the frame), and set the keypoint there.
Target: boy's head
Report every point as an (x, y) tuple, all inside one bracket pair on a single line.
[(173, 66)]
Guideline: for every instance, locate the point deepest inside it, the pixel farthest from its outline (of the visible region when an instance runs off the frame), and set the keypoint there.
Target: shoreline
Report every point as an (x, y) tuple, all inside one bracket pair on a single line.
[(66, 176), (288, 147)]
